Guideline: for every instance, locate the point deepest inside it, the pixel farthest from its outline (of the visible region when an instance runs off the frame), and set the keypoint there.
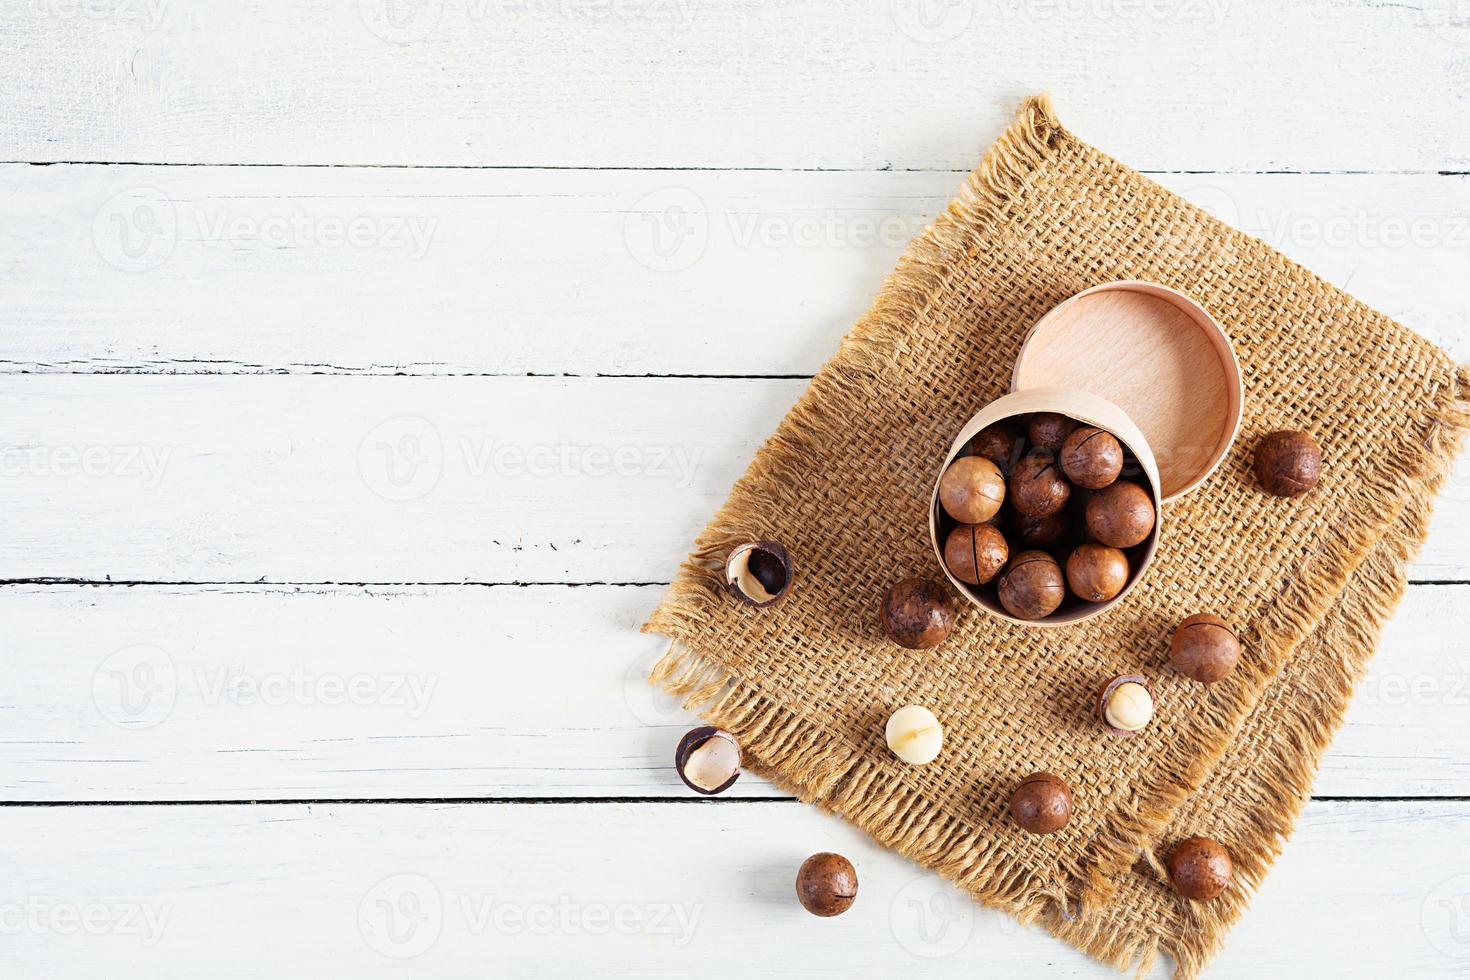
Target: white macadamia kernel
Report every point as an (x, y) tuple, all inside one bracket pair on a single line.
[(914, 735), (1130, 707)]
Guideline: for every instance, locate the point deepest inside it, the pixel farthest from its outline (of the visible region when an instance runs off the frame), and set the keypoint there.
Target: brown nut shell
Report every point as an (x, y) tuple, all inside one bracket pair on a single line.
[(1041, 803), (1048, 430), (918, 613), (975, 553), (1039, 532), (1096, 572), (759, 573), (1288, 463), (1109, 710), (692, 742), (1001, 443), (1200, 869), (1091, 457), (972, 490), (1204, 648), (1037, 488), (826, 884), (1121, 515), (1032, 585)]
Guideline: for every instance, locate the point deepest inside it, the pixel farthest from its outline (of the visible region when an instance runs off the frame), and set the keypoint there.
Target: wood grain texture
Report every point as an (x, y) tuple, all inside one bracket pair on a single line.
[(239, 693), (382, 479), (362, 270), (655, 891), (718, 83)]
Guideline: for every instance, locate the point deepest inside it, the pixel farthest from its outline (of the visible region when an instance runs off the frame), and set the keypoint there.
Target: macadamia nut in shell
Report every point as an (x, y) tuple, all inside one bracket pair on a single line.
[(1121, 514), (1037, 487), (1041, 804), (918, 613), (1091, 457), (1204, 648), (1032, 585), (826, 884), (972, 490), (975, 553)]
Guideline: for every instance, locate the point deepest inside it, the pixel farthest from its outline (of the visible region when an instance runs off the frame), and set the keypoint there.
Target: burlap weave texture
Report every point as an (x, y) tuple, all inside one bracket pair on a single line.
[(844, 483)]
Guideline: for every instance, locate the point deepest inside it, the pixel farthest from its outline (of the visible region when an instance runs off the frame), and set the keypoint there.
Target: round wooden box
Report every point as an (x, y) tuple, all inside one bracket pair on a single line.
[(1147, 364)]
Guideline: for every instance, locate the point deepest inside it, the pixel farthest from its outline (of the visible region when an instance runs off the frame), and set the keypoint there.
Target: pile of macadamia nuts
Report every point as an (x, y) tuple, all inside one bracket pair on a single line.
[(1043, 513)]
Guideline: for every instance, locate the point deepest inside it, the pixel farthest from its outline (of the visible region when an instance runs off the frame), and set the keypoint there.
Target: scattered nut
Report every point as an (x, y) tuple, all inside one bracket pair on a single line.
[(1288, 463), (1204, 648), (1126, 705), (1041, 804), (1091, 457), (1000, 443), (1096, 572), (914, 735), (918, 613), (1037, 486), (972, 490), (827, 884), (708, 760), (1032, 586), (1200, 869), (1048, 430), (975, 553), (759, 572), (1120, 515)]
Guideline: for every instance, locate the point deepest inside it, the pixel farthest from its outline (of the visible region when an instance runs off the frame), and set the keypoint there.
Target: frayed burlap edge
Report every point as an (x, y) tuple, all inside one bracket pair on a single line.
[(821, 768), (1375, 592)]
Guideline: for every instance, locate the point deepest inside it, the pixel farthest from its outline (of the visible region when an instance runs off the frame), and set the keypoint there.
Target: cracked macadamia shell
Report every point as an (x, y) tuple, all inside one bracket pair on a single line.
[(1038, 488), (1126, 704), (708, 760), (1032, 585), (759, 572), (1091, 458), (975, 553)]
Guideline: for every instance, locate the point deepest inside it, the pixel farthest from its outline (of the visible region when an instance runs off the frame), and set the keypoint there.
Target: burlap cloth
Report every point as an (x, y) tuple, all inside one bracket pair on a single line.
[(845, 481)]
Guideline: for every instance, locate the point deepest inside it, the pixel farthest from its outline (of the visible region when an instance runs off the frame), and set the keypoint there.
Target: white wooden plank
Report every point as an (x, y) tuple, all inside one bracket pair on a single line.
[(640, 891), (239, 693), (890, 83), (361, 270), (381, 479)]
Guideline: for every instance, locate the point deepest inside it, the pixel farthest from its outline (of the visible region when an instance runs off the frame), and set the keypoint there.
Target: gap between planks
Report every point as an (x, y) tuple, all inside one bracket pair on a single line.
[(558, 801), (694, 168)]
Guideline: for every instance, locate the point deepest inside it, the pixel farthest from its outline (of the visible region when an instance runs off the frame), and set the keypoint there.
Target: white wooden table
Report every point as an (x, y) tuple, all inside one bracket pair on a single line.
[(368, 366)]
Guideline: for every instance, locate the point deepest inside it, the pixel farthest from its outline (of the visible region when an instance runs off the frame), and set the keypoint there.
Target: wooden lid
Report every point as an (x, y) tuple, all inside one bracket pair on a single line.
[(1156, 354)]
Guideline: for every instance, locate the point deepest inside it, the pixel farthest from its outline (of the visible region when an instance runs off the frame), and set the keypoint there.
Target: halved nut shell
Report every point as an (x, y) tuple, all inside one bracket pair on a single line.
[(708, 760), (1125, 705), (759, 572)]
